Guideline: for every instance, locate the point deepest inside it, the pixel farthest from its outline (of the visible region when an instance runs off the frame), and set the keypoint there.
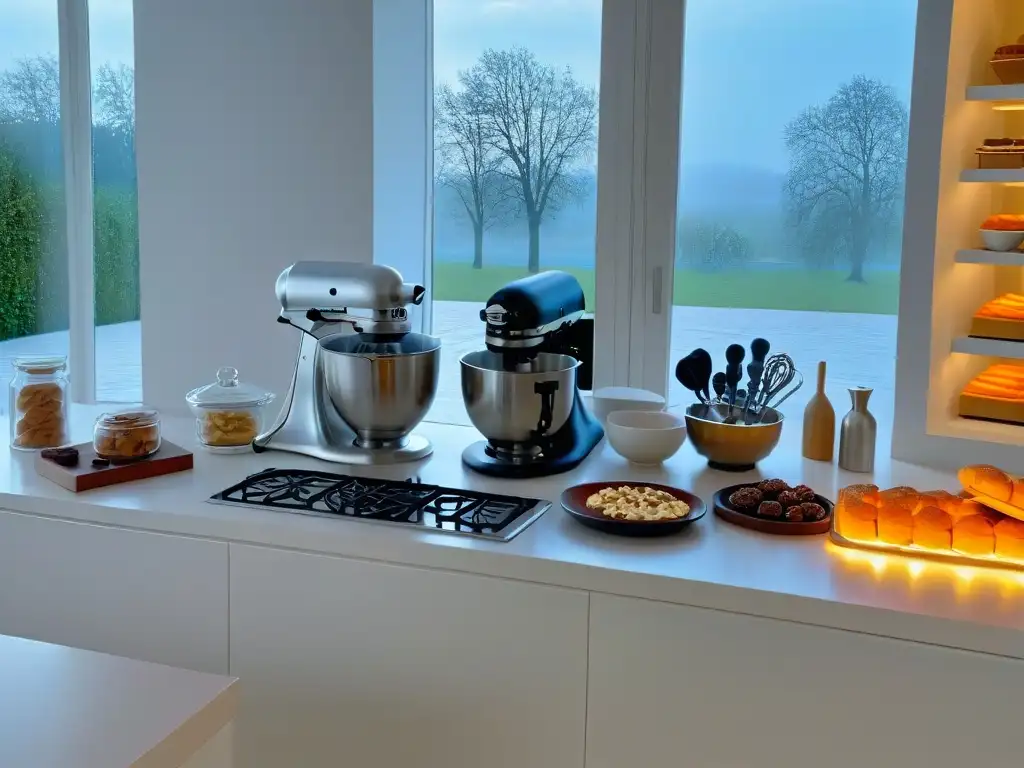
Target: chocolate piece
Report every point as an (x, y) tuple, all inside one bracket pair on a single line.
[(97, 462), (804, 493), (65, 457), (788, 499), (813, 511), (745, 499), (772, 488), (770, 509), (794, 515)]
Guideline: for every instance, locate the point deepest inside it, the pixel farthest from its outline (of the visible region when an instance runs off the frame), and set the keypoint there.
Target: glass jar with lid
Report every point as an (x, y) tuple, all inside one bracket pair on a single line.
[(229, 413), (38, 403), (128, 435)]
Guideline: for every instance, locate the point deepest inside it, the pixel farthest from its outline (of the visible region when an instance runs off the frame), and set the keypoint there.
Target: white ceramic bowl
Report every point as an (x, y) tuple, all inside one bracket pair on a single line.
[(645, 437), (1002, 240), (608, 399)]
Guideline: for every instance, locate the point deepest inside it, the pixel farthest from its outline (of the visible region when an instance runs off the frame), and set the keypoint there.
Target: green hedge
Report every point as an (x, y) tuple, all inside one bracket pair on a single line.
[(21, 235)]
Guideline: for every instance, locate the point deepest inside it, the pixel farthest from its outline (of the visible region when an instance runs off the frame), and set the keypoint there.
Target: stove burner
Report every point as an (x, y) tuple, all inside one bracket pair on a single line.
[(365, 498)]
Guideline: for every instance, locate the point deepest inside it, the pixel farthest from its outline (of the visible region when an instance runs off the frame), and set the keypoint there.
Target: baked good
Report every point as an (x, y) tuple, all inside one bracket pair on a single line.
[(860, 492), (986, 480), (857, 521), (1004, 222), (804, 493), (227, 428), (745, 499), (39, 416), (933, 529), (127, 435), (1009, 535), (1013, 51), (1017, 499), (1000, 145), (974, 535), (895, 524), (65, 457), (770, 509), (771, 489), (813, 511), (794, 514), (788, 499)]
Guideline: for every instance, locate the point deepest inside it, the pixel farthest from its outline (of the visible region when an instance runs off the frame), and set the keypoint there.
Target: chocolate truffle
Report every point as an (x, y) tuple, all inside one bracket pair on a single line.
[(813, 511), (745, 499), (804, 493), (794, 514), (770, 509), (772, 488), (788, 499)]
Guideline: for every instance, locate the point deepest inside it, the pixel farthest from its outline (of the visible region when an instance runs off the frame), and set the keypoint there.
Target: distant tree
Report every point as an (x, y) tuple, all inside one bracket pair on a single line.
[(710, 245), (30, 92), (467, 162), (847, 166), (114, 98), (542, 122)]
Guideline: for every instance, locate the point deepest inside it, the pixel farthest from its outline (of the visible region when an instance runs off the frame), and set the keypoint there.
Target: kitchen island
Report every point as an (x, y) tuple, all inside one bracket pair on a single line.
[(561, 647), (68, 707)]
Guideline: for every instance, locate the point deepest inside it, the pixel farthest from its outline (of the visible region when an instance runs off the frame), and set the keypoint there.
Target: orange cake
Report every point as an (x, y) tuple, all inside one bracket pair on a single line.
[(997, 393), (933, 529)]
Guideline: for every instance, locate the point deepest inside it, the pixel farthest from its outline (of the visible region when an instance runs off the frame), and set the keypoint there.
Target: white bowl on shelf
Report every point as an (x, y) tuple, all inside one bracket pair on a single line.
[(645, 437), (609, 399), (1002, 240)]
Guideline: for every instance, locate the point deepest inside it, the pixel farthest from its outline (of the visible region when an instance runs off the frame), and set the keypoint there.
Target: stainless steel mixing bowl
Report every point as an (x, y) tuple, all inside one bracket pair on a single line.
[(382, 396), (507, 406)]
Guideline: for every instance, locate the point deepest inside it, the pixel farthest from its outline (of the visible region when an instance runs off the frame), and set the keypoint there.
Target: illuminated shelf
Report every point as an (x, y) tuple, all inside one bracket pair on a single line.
[(978, 429), (994, 175), (998, 93), (969, 345), (999, 258)]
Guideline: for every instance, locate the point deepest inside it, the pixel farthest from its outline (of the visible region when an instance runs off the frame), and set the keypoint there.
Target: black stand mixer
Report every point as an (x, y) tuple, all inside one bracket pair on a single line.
[(523, 391)]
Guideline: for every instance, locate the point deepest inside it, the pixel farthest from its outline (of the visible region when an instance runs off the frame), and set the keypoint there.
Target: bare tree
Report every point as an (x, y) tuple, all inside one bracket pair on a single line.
[(114, 98), (467, 163), (30, 92), (543, 123), (847, 166)]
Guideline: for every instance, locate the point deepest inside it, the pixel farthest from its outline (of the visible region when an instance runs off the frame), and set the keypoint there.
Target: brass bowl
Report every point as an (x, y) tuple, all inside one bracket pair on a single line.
[(732, 447)]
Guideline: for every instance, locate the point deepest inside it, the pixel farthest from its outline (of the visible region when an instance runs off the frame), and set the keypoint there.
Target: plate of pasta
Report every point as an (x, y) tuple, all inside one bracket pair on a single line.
[(629, 508)]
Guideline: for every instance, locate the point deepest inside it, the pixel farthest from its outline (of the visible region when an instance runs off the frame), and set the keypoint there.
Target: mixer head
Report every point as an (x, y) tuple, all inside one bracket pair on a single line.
[(528, 315), (372, 297)]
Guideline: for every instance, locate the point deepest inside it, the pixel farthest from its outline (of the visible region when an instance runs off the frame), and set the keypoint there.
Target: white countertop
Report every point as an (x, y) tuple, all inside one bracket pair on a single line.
[(66, 707), (713, 564)]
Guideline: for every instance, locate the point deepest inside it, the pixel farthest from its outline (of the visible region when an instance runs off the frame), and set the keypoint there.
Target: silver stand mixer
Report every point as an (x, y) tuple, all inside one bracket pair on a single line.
[(362, 380)]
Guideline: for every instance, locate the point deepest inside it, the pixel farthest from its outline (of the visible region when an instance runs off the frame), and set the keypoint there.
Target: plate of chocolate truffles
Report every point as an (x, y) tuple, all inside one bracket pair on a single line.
[(774, 506)]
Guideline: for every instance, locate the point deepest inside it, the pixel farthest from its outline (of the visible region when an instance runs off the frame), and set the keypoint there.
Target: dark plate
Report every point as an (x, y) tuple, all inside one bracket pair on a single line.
[(574, 501), (778, 527)]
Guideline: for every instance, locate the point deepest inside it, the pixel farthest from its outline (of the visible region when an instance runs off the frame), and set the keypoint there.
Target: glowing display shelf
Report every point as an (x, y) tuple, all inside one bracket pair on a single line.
[(993, 175), (1003, 96), (998, 258)]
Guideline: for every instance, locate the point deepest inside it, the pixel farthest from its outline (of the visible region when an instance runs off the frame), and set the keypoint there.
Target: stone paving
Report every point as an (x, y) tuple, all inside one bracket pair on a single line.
[(860, 350)]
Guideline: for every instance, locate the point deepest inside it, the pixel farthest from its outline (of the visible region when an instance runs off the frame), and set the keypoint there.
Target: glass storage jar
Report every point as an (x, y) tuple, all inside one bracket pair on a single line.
[(38, 406), (229, 413), (126, 435)]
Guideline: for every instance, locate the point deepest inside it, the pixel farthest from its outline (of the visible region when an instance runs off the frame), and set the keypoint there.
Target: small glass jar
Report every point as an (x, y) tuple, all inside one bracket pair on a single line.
[(38, 406), (229, 413), (126, 435)]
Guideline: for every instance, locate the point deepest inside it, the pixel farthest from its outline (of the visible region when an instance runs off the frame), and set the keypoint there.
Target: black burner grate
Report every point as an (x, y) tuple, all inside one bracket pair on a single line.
[(364, 498)]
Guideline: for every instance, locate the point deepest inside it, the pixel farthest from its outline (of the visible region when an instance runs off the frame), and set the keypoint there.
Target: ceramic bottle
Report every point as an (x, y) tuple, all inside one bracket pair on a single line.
[(819, 423), (857, 434)]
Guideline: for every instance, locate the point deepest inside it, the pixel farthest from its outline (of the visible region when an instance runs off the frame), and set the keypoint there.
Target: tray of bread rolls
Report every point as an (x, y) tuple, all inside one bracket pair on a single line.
[(983, 525), (996, 394)]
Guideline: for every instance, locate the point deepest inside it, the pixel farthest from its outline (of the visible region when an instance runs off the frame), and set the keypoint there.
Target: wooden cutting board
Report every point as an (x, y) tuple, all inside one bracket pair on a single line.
[(84, 477)]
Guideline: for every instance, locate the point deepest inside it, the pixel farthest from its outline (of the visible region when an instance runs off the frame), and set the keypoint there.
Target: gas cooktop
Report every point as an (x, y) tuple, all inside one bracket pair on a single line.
[(430, 507)]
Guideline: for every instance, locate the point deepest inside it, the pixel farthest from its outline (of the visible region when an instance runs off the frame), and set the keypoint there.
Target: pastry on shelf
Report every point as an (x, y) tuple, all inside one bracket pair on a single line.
[(1004, 222), (1000, 318), (1008, 62), (996, 394), (1003, 232), (1001, 153)]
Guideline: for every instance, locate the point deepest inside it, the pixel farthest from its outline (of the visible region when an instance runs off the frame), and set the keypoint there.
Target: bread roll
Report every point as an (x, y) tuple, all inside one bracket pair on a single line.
[(895, 524), (1017, 499), (861, 492), (987, 480), (1009, 535), (974, 535), (899, 492), (933, 529), (857, 521)]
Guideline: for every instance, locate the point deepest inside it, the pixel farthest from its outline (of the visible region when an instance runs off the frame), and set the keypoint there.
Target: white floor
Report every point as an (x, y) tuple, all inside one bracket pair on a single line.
[(860, 351)]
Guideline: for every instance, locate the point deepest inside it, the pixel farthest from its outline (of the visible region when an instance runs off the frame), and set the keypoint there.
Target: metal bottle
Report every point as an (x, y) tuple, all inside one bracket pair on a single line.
[(857, 434)]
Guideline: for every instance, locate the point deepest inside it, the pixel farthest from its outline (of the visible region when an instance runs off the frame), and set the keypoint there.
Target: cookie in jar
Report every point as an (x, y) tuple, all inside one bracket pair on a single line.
[(38, 404), (126, 435), (229, 412)]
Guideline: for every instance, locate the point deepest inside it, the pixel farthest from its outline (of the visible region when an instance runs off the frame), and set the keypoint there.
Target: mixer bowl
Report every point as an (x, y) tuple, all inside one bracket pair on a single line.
[(732, 447), (507, 406), (381, 395)]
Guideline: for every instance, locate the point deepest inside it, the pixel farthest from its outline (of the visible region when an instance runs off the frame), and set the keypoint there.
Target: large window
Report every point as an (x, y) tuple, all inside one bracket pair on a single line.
[(792, 165), (41, 100)]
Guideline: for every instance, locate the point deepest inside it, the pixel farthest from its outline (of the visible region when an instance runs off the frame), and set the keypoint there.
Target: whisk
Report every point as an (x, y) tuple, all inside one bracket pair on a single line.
[(779, 373)]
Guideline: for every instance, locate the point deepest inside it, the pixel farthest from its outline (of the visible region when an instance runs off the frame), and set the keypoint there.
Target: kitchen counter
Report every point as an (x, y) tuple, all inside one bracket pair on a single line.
[(713, 565), (67, 707)]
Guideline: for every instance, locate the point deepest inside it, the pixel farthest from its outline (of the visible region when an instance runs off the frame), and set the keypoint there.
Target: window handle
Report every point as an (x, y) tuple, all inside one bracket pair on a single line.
[(656, 290)]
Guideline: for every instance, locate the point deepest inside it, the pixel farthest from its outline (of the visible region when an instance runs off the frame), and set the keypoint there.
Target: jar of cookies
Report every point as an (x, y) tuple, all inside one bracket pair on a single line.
[(126, 435), (229, 412), (38, 407)]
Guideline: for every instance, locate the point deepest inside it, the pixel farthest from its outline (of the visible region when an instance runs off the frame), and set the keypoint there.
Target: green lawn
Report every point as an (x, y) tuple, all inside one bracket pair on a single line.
[(770, 289)]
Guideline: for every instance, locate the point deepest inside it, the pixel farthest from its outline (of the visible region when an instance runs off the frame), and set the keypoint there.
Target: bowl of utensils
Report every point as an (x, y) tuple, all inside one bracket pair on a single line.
[(730, 444)]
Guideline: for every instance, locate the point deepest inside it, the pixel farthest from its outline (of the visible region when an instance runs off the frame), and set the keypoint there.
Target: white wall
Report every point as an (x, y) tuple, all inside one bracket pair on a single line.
[(255, 149)]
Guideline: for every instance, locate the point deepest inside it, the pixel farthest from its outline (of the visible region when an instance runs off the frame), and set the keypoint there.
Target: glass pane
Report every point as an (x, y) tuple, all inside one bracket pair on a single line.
[(33, 251), (792, 170), (115, 203), (515, 159)]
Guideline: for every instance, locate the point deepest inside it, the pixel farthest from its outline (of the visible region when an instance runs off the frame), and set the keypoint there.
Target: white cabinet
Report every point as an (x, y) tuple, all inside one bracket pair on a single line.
[(678, 686), (353, 663), (141, 595)]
